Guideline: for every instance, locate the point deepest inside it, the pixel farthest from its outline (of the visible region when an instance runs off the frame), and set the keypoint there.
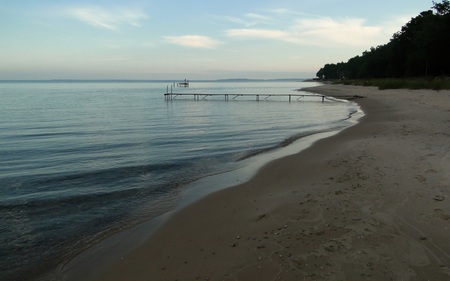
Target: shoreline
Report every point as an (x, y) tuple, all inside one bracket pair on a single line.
[(121, 243), (360, 204)]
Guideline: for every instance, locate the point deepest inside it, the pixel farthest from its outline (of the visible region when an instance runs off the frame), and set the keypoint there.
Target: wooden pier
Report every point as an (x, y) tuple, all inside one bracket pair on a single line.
[(199, 96)]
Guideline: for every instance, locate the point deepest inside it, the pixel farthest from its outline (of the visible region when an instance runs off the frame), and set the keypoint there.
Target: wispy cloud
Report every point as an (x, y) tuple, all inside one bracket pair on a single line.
[(248, 20), (233, 20), (259, 34), (280, 11), (318, 32), (108, 18), (196, 41), (342, 32), (260, 19)]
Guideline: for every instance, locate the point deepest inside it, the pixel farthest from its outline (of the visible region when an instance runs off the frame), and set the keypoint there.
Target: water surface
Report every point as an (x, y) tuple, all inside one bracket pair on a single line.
[(81, 160)]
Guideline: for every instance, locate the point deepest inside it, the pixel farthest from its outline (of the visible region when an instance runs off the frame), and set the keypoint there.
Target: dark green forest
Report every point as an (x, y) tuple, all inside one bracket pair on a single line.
[(421, 49)]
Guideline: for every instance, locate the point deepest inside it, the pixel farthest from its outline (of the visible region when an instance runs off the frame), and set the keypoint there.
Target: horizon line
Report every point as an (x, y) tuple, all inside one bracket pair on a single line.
[(152, 80)]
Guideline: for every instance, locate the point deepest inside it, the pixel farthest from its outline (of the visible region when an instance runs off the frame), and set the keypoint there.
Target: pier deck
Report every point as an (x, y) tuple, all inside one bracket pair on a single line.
[(198, 96)]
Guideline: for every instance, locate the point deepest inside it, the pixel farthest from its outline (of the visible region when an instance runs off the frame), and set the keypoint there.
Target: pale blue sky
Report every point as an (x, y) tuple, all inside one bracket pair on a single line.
[(197, 39)]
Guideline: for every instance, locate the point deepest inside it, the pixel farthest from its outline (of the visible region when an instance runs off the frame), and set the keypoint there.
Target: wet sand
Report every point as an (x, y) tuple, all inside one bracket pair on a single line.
[(370, 203)]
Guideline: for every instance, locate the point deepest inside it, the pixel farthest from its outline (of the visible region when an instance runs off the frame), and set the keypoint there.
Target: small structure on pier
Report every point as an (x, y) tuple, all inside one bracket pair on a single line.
[(183, 84)]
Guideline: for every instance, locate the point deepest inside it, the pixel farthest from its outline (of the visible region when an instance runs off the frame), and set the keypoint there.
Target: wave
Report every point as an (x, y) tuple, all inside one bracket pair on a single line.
[(112, 173), (50, 186), (281, 144)]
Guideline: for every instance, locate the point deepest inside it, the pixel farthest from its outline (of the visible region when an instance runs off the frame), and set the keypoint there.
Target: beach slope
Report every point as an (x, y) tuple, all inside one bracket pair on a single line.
[(370, 203)]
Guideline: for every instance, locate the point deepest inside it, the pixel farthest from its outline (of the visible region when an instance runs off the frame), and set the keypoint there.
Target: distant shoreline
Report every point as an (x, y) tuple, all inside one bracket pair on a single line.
[(153, 80)]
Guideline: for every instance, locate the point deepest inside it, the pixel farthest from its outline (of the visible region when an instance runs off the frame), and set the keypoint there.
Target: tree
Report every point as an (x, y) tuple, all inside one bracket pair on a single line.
[(419, 49), (442, 8), (332, 71)]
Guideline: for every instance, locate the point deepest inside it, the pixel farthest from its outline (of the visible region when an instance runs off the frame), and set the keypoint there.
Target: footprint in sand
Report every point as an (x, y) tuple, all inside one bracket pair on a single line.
[(441, 214), (445, 269), (421, 178)]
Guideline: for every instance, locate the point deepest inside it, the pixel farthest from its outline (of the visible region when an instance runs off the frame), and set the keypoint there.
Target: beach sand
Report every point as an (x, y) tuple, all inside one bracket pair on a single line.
[(370, 203)]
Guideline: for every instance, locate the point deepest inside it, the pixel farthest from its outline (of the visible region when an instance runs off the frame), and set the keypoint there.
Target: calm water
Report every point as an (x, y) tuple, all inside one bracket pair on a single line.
[(79, 161)]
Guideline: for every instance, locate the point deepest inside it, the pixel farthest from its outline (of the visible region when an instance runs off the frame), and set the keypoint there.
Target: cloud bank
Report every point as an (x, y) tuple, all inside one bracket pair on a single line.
[(323, 32)]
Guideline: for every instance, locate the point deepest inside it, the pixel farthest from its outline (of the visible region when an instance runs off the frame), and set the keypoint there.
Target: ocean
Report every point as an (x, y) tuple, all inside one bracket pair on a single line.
[(81, 160)]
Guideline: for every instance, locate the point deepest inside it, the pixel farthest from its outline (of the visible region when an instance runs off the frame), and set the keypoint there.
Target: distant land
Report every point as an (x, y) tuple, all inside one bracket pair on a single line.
[(258, 80), (153, 81)]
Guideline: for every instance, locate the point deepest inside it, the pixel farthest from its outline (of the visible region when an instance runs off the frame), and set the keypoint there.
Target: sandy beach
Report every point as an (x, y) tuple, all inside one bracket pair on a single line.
[(370, 203)]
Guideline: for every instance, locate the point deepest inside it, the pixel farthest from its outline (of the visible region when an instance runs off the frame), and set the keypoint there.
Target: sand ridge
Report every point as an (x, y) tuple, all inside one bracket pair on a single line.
[(370, 203)]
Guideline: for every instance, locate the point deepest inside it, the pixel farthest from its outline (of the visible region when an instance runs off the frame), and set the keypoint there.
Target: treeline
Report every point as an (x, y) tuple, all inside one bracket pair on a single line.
[(420, 49)]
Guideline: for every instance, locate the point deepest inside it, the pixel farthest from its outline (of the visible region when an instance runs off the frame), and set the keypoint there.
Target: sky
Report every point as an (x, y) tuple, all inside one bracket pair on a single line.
[(196, 39)]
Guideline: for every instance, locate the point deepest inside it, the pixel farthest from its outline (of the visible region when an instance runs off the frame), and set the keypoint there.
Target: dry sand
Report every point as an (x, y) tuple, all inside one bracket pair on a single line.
[(370, 203)]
